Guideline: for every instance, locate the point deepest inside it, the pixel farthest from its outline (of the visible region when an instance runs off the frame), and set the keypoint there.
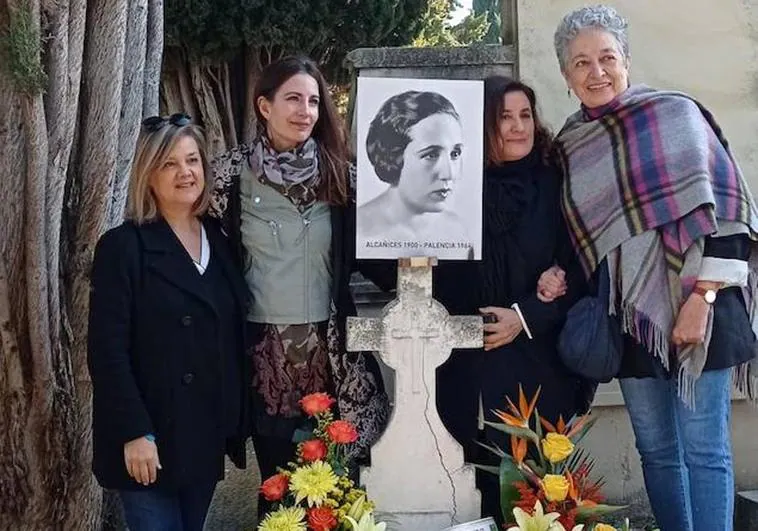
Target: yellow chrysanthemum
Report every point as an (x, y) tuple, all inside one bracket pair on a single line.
[(313, 483), (284, 519)]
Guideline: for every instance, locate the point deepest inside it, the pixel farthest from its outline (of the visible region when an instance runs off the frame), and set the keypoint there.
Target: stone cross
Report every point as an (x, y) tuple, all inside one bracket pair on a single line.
[(417, 478)]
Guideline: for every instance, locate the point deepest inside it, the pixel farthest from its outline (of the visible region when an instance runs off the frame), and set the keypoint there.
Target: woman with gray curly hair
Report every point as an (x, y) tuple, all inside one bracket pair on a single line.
[(415, 144), (653, 195)]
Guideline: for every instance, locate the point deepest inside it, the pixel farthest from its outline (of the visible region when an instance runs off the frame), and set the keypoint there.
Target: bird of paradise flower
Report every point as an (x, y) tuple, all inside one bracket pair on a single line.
[(520, 475)]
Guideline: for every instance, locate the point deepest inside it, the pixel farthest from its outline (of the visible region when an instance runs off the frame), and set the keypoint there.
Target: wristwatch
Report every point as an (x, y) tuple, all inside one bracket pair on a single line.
[(708, 294)]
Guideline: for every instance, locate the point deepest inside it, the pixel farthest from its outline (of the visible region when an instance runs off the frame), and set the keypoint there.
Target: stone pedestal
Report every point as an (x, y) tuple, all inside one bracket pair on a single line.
[(746, 511), (460, 62), (418, 478)]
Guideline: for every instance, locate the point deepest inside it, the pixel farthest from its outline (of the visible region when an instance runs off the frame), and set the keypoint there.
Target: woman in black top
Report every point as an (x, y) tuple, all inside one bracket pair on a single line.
[(166, 339), (524, 235)]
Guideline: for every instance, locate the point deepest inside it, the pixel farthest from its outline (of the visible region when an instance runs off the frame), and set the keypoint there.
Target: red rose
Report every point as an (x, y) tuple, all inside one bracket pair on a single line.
[(274, 488), (312, 450), (342, 432), (316, 403), (321, 519)]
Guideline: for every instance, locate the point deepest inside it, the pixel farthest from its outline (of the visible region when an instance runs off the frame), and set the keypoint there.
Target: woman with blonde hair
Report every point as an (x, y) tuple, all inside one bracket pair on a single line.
[(166, 339)]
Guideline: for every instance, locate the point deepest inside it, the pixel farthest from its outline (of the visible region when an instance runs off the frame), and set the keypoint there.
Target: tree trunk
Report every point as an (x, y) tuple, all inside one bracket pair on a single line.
[(66, 157), (224, 82), (204, 90), (210, 115), (252, 73), (153, 58), (132, 101)]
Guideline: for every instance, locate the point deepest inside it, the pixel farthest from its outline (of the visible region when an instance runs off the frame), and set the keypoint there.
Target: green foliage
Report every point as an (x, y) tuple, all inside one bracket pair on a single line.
[(435, 26), (472, 29), (436, 29), (490, 9), (323, 29), (204, 28), (509, 493), (21, 47)]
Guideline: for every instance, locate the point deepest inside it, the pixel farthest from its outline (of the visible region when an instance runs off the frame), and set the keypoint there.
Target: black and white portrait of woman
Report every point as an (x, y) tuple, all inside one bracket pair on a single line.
[(419, 187)]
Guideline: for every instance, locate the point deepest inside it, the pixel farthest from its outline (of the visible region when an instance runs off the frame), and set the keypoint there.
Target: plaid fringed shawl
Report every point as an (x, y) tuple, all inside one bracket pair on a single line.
[(648, 177)]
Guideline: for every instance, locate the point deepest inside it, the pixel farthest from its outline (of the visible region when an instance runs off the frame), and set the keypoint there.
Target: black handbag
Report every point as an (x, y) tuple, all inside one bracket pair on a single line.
[(590, 343)]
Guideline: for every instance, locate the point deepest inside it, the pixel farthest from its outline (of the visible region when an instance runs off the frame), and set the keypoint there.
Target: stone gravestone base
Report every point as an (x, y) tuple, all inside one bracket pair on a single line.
[(418, 478), (746, 511)]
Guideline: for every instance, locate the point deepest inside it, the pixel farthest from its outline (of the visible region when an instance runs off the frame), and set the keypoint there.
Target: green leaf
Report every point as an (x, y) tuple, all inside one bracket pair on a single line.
[(538, 424), (538, 430), (534, 467), (576, 439), (301, 435), (585, 513), (339, 469), (494, 449), (523, 433), (509, 494)]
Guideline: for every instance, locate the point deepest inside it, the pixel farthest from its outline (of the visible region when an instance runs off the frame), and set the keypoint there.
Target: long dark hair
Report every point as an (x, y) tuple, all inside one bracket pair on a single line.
[(328, 131), (495, 88)]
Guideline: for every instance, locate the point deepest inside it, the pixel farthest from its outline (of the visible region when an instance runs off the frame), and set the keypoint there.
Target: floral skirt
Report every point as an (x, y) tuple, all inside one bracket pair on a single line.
[(289, 362)]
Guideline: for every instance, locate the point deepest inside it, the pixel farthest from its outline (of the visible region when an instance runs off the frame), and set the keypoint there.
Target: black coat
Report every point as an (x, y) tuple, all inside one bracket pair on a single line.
[(524, 234), (155, 354)]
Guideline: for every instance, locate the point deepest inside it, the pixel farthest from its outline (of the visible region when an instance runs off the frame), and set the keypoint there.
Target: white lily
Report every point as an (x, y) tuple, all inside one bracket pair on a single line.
[(539, 521), (366, 523), (356, 510)]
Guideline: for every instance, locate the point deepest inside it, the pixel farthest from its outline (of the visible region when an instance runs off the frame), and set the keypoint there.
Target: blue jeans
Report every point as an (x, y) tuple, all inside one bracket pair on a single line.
[(154, 510), (686, 454)]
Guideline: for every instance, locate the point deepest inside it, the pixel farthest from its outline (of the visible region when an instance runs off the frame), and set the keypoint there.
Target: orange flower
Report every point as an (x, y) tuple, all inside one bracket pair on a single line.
[(274, 488), (312, 450), (583, 491), (321, 519), (518, 449), (316, 403), (560, 426), (342, 432), (519, 416), (569, 429)]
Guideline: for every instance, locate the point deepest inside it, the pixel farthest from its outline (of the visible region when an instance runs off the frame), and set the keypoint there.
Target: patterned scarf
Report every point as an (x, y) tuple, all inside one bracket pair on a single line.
[(649, 176), (293, 173)]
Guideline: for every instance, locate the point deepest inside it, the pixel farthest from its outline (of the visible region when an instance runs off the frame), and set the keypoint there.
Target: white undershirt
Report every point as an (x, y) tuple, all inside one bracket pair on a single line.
[(205, 252)]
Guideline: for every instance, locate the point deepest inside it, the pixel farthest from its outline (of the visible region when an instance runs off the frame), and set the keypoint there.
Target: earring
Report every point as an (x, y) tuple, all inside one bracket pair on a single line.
[(568, 93)]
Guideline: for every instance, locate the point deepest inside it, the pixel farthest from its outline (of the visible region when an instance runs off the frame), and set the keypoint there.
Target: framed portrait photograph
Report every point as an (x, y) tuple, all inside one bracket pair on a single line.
[(419, 171)]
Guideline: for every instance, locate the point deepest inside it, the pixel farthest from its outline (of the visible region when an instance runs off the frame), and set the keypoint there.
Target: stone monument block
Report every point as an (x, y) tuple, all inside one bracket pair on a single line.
[(746, 510), (418, 478)]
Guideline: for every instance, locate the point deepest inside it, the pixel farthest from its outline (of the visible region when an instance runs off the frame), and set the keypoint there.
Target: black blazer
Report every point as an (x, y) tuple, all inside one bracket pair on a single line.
[(152, 331)]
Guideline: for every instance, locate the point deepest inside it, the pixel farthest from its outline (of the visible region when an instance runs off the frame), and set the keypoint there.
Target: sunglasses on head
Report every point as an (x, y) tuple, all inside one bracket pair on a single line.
[(155, 123)]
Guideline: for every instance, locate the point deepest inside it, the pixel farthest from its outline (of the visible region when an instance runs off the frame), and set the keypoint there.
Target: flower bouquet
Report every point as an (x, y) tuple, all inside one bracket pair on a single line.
[(545, 482), (315, 491)]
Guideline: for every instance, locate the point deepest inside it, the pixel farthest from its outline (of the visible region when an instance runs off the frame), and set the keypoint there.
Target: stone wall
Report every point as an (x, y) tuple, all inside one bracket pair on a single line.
[(471, 62), (704, 47)]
